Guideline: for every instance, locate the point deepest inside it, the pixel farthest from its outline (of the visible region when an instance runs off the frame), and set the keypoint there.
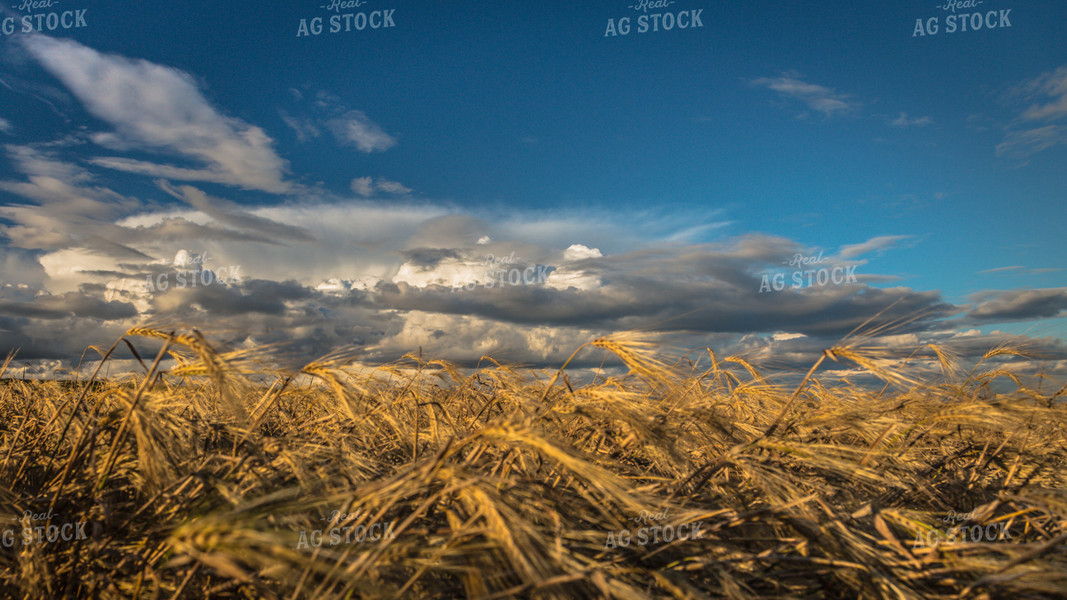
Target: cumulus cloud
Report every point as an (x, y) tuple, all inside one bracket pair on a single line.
[(159, 108), (580, 252), (384, 278), (711, 288)]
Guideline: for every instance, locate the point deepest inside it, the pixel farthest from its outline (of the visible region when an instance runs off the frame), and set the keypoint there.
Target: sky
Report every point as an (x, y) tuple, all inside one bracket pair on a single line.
[(358, 172)]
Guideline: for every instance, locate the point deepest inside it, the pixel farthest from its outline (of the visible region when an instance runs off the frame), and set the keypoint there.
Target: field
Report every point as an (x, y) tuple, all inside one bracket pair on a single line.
[(224, 477)]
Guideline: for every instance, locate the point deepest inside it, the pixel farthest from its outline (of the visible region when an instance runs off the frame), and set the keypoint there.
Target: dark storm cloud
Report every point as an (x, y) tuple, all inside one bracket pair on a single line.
[(252, 296), (73, 304), (698, 288), (1018, 305), (429, 258)]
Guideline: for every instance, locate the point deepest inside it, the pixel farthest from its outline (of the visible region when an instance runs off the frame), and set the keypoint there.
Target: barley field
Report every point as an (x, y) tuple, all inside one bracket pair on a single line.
[(223, 476)]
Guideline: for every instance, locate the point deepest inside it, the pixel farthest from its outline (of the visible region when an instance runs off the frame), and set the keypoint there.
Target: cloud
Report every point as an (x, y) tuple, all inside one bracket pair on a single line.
[(382, 277), (5, 125), (1040, 124), (1048, 93), (354, 128), (159, 108), (1003, 269), (691, 233), (1018, 305), (1021, 144), (879, 244), (231, 214), (392, 187), (250, 298), (467, 339), (711, 288), (20, 267), (816, 97), (67, 206), (304, 127), (366, 187), (429, 258), (581, 252), (72, 304), (150, 169), (904, 121), (349, 127), (1020, 270)]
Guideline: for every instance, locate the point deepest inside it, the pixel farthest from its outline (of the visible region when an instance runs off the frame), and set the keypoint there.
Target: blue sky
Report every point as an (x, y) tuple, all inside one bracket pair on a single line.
[(775, 128)]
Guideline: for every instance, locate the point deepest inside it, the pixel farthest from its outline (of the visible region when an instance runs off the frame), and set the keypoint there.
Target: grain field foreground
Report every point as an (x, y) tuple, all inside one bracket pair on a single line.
[(221, 476)]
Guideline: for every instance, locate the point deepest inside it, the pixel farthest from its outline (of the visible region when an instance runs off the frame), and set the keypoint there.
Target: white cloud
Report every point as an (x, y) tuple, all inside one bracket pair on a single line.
[(817, 97), (304, 128), (580, 252), (1049, 93), (5, 125), (1002, 269), (449, 272), (161, 108), (392, 187), (1039, 126), (469, 338), (67, 208), (904, 121), (1020, 144), (151, 169), (366, 186), (232, 215), (879, 243), (354, 128)]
